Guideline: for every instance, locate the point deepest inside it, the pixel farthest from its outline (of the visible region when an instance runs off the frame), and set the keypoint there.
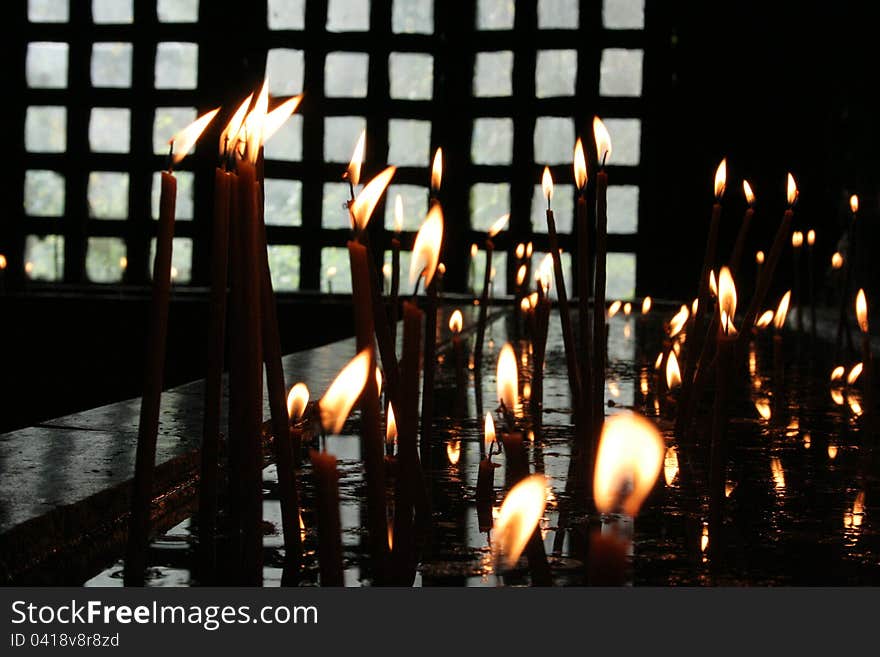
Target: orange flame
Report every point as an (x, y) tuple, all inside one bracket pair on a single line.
[(750, 195), (277, 117), (547, 185), (676, 324), (797, 239), (720, 179), (791, 191), (453, 451), (627, 309), (763, 408), (474, 251), (713, 286), (353, 171), (520, 514), (603, 141), (297, 400), (811, 237), (456, 321), (183, 141), (837, 373), (782, 311), (837, 396), (255, 122), (580, 165), (342, 394), (529, 248), (673, 373), (520, 251), (614, 308), (759, 257), (854, 373), (426, 250), (854, 203), (646, 305), (533, 299), (836, 260), (832, 452), (670, 465), (229, 136), (391, 426), (726, 300), (499, 225), (3, 263), (862, 310), (366, 201), (437, 170), (545, 273), (521, 275), (659, 361), (507, 378), (525, 304), (765, 319), (488, 431), (378, 379)]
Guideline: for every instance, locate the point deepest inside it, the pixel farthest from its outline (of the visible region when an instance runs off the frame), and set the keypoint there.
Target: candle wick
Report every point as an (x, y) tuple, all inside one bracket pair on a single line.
[(604, 158), (170, 159)]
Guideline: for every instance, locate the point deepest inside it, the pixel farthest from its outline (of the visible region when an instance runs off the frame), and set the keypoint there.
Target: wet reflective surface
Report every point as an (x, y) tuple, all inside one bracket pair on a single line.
[(799, 496)]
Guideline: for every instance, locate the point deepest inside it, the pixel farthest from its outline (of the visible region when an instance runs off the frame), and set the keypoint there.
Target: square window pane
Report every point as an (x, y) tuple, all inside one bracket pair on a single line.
[(183, 210), (493, 73), (111, 64), (620, 281), (495, 14), (566, 271), (405, 258), (112, 11), (43, 193), (555, 73), (411, 75), (181, 259), (334, 209), (415, 205), (286, 143), (45, 129), (176, 65), (105, 257), (48, 11), (348, 15), (345, 74), (412, 16), (44, 257), (558, 14), (488, 202), (492, 141), (499, 280), (285, 70), (46, 65), (167, 121), (623, 14), (340, 136), (283, 200), (620, 73), (626, 141), (554, 139), (287, 14), (178, 11), (562, 204), (284, 267), (335, 270), (409, 142), (110, 130), (108, 195), (623, 209)]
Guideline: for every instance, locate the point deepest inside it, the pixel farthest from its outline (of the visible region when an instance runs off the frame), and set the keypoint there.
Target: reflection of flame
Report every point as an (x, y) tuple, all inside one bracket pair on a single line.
[(854, 406), (603, 141), (763, 408), (836, 260), (764, 320), (720, 179), (525, 305), (184, 140), (854, 203), (499, 225), (643, 383), (781, 311), (628, 461), (453, 451), (507, 378), (837, 396), (614, 308), (695, 305), (365, 203), (529, 248), (778, 473), (753, 360), (336, 403), (862, 310), (437, 170), (858, 510), (488, 431), (426, 250), (832, 452), (837, 373), (670, 465), (747, 190), (791, 190), (759, 257), (646, 305), (297, 400), (277, 117), (678, 321), (726, 299), (580, 165), (357, 159), (704, 538), (455, 321), (854, 373), (729, 487), (673, 373), (811, 237), (519, 516), (391, 427)]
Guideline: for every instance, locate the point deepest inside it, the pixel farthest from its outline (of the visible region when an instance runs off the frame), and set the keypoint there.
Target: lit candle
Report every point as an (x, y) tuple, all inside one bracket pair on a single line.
[(739, 245), (811, 281), (867, 364), (541, 322), (797, 242), (603, 152), (497, 227), (584, 275), (148, 427), (779, 324), (456, 322), (485, 495)]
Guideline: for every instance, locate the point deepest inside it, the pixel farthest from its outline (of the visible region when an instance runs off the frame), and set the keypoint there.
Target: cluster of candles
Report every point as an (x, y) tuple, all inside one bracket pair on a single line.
[(624, 455)]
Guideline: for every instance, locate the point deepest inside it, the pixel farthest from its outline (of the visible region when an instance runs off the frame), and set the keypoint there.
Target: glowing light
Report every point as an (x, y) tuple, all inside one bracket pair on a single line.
[(837, 396), (365, 203), (670, 465), (453, 451), (499, 225), (862, 310), (357, 160), (750, 195), (811, 237), (547, 185), (229, 136), (437, 170), (791, 190), (545, 273), (580, 165), (398, 213), (836, 260), (646, 305), (797, 239), (713, 286), (759, 257), (854, 203), (854, 373), (777, 472), (297, 400), (832, 452), (391, 427), (659, 361), (627, 309), (837, 373), (337, 402), (488, 432), (183, 141), (781, 311), (278, 116), (603, 141), (254, 123), (519, 516), (763, 408), (507, 378), (426, 250), (521, 275), (614, 308), (673, 373), (456, 321), (676, 324), (520, 251), (720, 179)]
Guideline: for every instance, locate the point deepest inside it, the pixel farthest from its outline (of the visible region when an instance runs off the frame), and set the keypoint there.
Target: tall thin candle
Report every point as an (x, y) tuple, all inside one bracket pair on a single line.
[(603, 152)]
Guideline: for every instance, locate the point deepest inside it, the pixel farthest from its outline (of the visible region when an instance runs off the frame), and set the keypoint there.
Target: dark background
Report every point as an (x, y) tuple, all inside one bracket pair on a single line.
[(773, 86)]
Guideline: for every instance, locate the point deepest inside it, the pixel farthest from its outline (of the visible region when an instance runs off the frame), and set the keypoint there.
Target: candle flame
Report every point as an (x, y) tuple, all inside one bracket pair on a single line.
[(797, 239), (759, 257), (499, 225), (183, 141), (854, 203), (426, 250), (614, 308), (837, 396), (229, 136), (437, 170), (750, 195), (529, 248), (603, 141), (545, 273), (342, 394), (366, 201), (646, 305), (720, 179), (836, 260), (659, 361), (580, 165), (862, 310), (507, 378), (782, 311), (456, 321), (763, 408), (521, 275), (627, 309), (832, 452), (390, 426), (726, 299), (854, 373), (791, 191), (353, 172), (297, 400), (695, 305), (765, 319), (837, 373), (278, 116), (525, 304), (520, 251), (854, 406), (474, 251), (453, 451), (673, 373), (3, 263), (670, 465), (520, 514), (628, 462), (533, 299), (713, 286), (676, 324), (811, 237), (547, 185), (378, 379), (255, 122), (488, 432)]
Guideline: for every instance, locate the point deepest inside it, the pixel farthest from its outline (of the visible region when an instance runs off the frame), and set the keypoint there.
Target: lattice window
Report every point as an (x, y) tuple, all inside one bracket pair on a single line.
[(504, 86)]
